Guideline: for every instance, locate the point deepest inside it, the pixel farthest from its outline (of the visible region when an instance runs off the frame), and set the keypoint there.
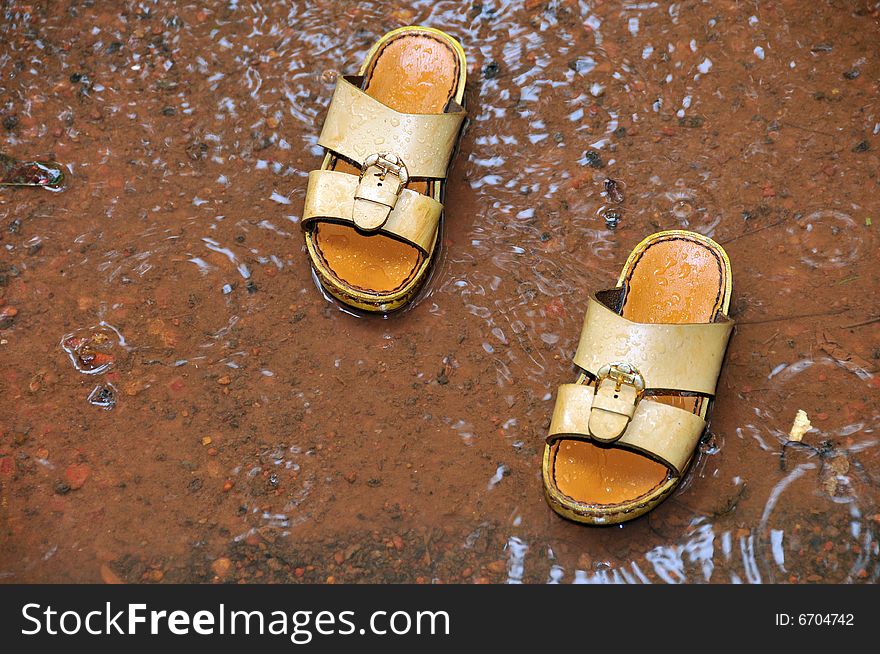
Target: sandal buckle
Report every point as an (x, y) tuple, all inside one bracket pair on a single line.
[(387, 162), (374, 200), (622, 373), (619, 388)]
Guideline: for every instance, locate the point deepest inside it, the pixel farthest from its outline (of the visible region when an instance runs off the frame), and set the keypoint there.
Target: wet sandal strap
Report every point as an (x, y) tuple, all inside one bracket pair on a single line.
[(661, 431), (331, 196), (358, 126), (679, 357)]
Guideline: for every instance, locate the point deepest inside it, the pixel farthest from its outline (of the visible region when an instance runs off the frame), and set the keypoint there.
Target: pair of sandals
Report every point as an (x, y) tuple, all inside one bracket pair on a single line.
[(651, 349)]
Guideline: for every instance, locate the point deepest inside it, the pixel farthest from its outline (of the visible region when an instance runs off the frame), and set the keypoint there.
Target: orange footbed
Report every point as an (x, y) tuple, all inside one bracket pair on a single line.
[(674, 281), (414, 73)]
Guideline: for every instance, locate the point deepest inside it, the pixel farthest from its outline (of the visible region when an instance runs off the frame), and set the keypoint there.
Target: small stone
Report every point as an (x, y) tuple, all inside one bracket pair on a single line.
[(692, 122), (271, 122), (132, 388), (61, 488), (7, 316), (207, 440), (224, 380), (491, 70), (110, 577), (613, 190), (497, 567), (227, 486), (851, 74), (154, 576), (862, 146), (221, 567), (612, 218), (76, 475), (103, 396), (350, 477), (592, 159), (398, 543)]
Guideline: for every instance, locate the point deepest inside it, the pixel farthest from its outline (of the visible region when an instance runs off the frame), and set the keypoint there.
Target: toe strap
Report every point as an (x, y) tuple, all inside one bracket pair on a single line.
[(661, 431)]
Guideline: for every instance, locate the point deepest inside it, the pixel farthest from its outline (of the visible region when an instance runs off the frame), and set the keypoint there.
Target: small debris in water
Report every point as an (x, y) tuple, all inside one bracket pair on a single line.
[(500, 473), (692, 122), (47, 175), (592, 159), (197, 150), (582, 65), (61, 488), (613, 190), (7, 317), (103, 396), (91, 352), (800, 427), (612, 218)]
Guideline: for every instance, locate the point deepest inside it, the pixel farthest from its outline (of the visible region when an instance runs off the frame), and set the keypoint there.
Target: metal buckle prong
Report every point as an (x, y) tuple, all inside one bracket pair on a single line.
[(622, 373), (387, 162)]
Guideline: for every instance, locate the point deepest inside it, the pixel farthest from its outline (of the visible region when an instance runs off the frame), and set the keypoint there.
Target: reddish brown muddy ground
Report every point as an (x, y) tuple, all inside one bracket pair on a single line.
[(260, 433)]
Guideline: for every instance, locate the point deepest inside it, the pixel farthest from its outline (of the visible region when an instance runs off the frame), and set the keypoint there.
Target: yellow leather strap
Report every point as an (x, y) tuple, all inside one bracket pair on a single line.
[(331, 196), (358, 126), (680, 357), (664, 432)]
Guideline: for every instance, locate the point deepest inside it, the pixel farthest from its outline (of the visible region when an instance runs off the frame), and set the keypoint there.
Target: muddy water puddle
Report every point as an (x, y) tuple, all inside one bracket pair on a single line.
[(180, 403)]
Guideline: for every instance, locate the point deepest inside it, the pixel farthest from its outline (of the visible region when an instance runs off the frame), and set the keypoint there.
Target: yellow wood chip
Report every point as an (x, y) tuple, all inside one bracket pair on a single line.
[(800, 427)]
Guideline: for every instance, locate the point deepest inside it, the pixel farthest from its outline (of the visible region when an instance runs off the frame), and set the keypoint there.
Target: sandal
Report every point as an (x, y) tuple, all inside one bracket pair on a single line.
[(650, 354), (372, 212)]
